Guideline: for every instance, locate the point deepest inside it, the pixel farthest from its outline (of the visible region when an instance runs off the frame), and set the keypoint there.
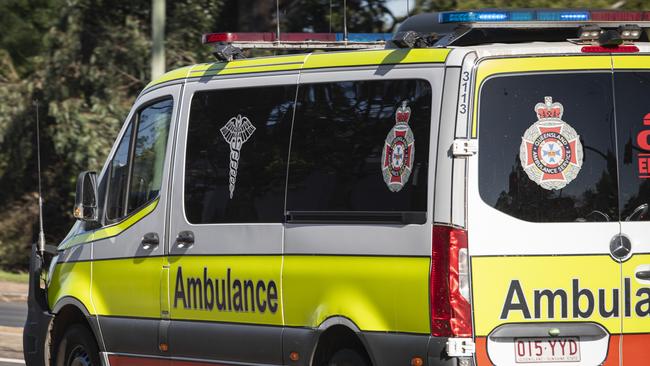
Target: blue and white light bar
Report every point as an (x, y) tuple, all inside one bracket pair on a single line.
[(545, 15), (364, 37)]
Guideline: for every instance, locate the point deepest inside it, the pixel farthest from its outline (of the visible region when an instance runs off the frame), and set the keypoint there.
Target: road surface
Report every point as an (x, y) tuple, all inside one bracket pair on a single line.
[(13, 314), (12, 319), (11, 362)]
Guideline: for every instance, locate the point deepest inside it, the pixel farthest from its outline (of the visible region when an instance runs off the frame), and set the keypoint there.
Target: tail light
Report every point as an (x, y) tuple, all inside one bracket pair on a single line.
[(449, 283)]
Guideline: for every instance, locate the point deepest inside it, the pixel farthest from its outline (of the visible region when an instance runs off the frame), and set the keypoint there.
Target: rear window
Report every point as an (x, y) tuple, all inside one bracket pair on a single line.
[(547, 147), (360, 146), (632, 90)]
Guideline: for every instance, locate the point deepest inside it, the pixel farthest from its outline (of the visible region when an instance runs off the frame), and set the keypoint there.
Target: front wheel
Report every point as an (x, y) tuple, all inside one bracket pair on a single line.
[(78, 348), (348, 357)]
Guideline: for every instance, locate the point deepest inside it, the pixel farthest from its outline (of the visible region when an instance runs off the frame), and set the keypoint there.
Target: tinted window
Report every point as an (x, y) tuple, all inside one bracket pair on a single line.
[(338, 152), (568, 190), (632, 90), (138, 163), (149, 153), (117, 178), (237, 147)]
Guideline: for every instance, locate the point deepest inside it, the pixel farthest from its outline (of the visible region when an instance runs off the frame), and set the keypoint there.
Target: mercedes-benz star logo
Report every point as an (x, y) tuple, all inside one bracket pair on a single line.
[(620, 247)]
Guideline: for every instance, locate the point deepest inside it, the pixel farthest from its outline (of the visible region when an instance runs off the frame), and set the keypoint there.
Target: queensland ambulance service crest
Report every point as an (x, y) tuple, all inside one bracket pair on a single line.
[(550, 151), (399, 151)]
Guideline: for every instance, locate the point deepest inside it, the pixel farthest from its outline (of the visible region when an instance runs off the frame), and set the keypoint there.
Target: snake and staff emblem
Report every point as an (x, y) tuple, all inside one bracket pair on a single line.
[(237, 131)]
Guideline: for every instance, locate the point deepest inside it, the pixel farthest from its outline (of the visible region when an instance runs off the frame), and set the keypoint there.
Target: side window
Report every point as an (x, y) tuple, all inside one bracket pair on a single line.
[(149, 153), (135, 173), (118, 178), (236, 155), (632, 90), (547, 149), (360, 146)]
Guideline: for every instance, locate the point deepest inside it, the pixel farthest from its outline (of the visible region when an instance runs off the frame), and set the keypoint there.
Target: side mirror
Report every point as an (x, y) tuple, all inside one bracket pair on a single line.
[(85, 205)]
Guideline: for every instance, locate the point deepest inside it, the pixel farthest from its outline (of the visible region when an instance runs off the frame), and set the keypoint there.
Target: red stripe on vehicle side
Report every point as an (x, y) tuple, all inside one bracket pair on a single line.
[(613, 354), (140, 361), (194, 363), (482, 358), (118, 360), (635, 349)]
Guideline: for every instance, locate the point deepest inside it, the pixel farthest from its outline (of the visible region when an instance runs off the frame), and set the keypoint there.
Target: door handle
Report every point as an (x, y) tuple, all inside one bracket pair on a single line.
[(185, 239), (150, 240), (643, 275)]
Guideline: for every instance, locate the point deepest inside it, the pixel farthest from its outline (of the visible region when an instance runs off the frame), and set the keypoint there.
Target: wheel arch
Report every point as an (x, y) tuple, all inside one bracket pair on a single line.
[(68, 311), (335, 333)]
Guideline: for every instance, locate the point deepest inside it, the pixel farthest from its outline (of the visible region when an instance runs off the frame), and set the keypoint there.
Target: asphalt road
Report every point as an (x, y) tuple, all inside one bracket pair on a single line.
[(13, 314)]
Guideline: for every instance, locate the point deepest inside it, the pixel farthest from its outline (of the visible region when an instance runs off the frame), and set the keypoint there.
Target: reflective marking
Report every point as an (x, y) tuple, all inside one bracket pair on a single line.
[(304, 61), (177, 74), (376, 57), (631, 62), (109, 231)]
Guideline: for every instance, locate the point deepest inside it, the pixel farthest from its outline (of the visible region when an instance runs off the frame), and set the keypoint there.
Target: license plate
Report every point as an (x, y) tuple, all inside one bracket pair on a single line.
[(560, 349)]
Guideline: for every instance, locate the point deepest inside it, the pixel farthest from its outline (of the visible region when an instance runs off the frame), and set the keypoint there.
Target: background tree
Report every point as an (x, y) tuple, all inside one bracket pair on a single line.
[(86, 61)]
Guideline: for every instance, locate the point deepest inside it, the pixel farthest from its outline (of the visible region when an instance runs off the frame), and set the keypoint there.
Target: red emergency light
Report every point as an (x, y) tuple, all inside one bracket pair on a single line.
[(620, 16), (618, 49), (228, 37)]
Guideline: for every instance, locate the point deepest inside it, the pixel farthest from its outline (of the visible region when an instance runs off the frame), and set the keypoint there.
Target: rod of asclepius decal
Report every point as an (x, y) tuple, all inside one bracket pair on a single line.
[(236, 132)]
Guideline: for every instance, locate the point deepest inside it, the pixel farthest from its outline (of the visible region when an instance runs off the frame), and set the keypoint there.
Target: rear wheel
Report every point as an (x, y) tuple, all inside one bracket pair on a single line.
[(348, 357), (78, 348)]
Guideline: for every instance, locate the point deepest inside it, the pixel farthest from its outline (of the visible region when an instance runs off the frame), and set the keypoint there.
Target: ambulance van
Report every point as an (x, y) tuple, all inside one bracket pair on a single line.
[(472, 192)]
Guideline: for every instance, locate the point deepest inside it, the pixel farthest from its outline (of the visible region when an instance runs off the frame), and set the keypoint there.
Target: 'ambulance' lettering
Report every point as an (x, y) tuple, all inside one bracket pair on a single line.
[(584, 302), (226, 294)]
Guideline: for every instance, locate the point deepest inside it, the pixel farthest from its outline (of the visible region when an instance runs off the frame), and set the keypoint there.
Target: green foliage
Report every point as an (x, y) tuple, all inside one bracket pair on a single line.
[(302, 15), (17, 226), (18, 277), (23, 24), (328, 16), (86, 70)]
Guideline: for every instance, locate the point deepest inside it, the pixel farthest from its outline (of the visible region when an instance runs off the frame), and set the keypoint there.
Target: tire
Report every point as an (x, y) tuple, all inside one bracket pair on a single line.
[(78, 348), (348, 357)]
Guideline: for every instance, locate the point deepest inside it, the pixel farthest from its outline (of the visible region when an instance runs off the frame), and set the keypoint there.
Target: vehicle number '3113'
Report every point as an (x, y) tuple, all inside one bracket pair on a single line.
[(534, 350)]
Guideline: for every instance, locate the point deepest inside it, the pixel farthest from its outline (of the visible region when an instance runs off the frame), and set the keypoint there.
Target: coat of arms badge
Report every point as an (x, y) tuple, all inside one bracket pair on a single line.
[(399, 151), (550, 152)]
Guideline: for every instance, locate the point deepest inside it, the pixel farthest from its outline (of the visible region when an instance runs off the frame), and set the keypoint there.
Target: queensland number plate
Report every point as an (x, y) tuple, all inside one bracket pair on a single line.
[(560, 349)]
